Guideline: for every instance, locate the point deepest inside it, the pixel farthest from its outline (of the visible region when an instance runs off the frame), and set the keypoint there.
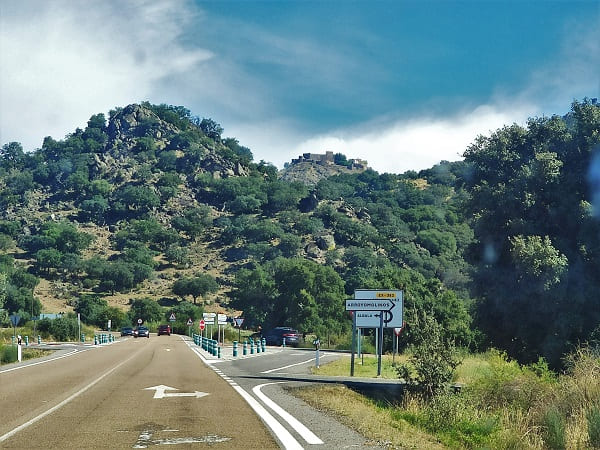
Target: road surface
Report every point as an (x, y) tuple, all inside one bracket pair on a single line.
[(143, 393), (107, 397)]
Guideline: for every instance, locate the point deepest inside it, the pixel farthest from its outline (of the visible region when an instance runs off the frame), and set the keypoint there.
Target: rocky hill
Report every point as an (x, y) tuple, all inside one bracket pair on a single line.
[(130, 206), (310, 168)]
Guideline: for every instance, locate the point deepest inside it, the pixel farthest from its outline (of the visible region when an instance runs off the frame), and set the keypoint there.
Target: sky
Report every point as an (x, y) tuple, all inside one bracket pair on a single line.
[(403, 84)]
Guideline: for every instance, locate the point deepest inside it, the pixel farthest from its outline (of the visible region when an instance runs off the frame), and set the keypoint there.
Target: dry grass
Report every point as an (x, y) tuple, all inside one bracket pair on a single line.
[(365, 367), (362, 415)]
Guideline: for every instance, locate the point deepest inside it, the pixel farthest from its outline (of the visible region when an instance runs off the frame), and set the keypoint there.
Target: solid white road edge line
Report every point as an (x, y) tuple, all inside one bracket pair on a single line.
[(64, 402), (288, 441), (285, 437), (302, 430), (291, 365)]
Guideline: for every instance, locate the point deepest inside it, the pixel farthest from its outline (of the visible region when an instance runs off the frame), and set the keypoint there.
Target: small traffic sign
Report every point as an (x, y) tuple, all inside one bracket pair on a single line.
[(238, 321), (14, 319), (140, 321), (189, 322), (202, 325), (209, 317), (172, 317)]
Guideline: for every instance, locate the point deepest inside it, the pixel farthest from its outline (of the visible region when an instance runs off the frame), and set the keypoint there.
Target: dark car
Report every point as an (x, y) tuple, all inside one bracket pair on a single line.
[(127, 331), (164, 329), (141, 332), (277, 335)]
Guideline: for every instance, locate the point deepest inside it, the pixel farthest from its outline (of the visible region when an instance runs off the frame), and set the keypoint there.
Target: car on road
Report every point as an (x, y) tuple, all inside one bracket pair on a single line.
[(278, 334), (164, 329), (141, 332), (127, 331)]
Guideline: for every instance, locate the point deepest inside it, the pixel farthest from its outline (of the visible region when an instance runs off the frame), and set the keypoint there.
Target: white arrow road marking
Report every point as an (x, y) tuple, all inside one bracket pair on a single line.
[(160, 392)]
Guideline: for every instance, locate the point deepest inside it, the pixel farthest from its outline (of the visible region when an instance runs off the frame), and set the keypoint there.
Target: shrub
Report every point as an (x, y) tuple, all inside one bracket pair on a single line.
[(554, 430), (434, 358), (593, 423), (503, 383), (64, 328), (8, 354)]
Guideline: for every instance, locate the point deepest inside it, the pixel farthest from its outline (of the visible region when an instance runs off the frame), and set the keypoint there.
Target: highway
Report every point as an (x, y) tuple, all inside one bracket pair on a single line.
[(142, 393)]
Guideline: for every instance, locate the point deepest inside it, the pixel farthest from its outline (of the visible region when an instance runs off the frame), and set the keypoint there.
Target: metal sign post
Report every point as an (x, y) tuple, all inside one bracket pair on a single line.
[(14, 319), (353, 344), (238, 323)]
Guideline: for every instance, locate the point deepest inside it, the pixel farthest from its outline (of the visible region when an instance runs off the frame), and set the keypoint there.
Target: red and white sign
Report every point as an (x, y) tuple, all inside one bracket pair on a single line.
[(202, 325), (397, 331)]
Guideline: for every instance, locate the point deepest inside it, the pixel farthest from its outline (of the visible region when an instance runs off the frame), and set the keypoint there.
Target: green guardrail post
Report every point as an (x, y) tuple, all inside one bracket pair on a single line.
[(284, 342), (82, 337), (13, 340), (264, 344), (235, 349), (39, 339), (218, 352), (26, 341), (245, 348)]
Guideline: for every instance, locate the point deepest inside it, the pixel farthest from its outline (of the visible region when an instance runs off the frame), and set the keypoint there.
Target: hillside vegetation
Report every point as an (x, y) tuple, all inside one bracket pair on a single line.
[(153, 210)]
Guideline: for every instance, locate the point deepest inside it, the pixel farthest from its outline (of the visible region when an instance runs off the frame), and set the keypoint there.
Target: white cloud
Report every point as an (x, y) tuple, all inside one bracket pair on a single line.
[(69, 60), (390, 147)]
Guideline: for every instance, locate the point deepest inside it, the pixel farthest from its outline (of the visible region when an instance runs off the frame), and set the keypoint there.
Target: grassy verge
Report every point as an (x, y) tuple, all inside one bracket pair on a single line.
[(502, 406), (366, 366), (376, 423), (8, 353)]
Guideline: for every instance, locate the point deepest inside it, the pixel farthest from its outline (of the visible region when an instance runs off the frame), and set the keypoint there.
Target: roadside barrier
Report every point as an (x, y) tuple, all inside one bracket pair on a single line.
[(103, 338), (212, 346)]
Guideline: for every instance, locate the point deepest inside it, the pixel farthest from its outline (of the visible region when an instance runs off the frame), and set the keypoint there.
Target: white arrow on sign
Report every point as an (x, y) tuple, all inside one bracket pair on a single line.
[(160, 392)]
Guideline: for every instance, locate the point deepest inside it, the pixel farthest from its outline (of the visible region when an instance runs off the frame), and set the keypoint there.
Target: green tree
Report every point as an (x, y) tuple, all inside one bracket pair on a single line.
[(291, 292), (146, 309), (197, 286), (535, 255), (211, 129), (137, 198), (91, 308), (193, 221)]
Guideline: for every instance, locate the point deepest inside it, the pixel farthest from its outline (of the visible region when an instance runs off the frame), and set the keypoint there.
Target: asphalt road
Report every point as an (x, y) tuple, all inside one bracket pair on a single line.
[(142, 393), (106, 397)]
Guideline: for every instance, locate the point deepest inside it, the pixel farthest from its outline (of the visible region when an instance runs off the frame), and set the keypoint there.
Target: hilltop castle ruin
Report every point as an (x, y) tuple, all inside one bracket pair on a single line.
[(328, 159)]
